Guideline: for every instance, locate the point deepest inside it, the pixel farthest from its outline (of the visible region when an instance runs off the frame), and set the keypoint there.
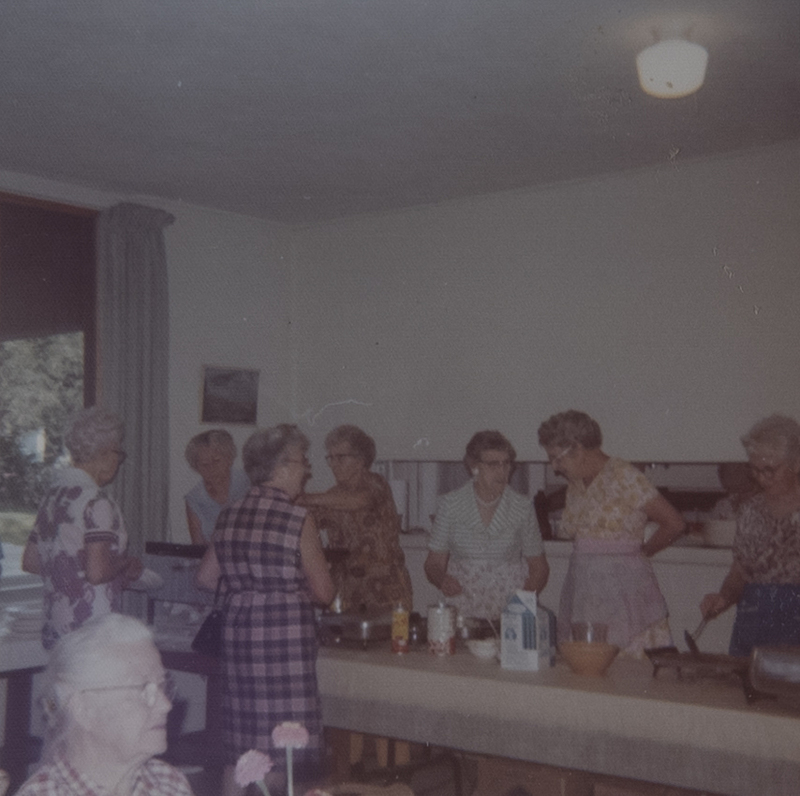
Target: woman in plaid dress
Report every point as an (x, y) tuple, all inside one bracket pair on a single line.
[(268, 552)]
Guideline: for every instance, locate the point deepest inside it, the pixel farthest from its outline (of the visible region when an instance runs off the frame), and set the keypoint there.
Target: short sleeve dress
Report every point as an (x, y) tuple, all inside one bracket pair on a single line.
[(269, 637), (375, 574), (74, 512)]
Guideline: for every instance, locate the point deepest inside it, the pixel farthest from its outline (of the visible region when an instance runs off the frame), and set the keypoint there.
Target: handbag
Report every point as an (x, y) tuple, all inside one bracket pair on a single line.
[(208, 639)]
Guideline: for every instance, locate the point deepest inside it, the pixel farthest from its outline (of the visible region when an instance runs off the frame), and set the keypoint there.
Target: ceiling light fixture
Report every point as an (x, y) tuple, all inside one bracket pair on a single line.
[(672, 68)]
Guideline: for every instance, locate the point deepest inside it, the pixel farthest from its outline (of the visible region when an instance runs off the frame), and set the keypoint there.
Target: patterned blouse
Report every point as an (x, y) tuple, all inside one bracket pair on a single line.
[(768, 549), (155, 778), (74, 512), (375, 574), (611, 507)]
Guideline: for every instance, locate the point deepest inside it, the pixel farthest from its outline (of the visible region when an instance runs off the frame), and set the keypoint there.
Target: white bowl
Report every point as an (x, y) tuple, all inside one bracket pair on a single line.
[(484, 648)]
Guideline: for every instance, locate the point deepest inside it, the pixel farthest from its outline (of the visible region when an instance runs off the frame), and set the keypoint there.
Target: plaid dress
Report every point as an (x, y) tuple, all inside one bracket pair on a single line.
[(269, 641)]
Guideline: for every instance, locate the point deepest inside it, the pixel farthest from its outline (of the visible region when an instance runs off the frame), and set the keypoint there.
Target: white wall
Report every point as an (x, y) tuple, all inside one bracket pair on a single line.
[(663, 302)]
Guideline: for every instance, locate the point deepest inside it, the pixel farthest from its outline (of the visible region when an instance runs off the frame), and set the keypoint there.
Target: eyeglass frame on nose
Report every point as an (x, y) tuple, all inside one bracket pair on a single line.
[(770, 471), (337, 457), (559, 456), (506, 464), (148, 691)]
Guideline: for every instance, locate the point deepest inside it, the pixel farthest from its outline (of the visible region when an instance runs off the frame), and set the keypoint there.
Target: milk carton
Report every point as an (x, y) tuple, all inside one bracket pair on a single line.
[(528, 633)]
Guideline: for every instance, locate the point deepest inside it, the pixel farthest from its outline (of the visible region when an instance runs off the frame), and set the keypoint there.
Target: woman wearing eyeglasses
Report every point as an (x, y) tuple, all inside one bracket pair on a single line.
[(485, 542), (359, 515), (268, 553), (608, 503), (78, 543), (764, 579), (106, 701)]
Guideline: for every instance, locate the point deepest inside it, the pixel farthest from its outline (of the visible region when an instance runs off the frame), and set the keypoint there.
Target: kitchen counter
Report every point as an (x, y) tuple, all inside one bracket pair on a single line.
[(698, 734)]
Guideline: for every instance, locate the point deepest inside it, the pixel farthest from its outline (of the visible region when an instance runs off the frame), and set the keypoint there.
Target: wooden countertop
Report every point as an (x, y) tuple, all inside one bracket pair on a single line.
[(688, 733)]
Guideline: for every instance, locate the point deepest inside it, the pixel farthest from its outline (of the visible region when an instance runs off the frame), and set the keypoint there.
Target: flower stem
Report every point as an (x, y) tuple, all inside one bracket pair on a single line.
[(289, 771)]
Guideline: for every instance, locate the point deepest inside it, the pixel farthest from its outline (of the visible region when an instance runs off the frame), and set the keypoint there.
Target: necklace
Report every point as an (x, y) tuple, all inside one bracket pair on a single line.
[(488, 503)]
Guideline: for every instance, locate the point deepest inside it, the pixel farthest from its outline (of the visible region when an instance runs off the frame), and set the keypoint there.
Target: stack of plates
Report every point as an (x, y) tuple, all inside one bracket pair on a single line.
[(23, 620)]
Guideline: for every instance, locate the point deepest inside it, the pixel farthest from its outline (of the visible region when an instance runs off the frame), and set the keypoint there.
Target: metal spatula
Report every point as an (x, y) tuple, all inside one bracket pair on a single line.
[(691, 640)]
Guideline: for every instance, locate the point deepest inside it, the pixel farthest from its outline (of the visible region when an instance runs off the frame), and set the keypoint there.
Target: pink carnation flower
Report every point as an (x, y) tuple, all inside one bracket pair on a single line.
[(290, 735), (252, 766)]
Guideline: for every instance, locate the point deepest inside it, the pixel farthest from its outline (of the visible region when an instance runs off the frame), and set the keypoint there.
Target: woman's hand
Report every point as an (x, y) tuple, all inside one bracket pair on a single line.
[(732, 587), (712, 605), (450, 586), (436, 572), (208, 572), (538, 573), (670, 524)]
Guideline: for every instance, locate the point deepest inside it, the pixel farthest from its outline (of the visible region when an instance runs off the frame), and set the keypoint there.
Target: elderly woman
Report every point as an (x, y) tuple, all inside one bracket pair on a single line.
[(608, 504), (268, 553), (106, 702), (359, 515), (211, 455), (486, 542), (764, 579), (78, 543)]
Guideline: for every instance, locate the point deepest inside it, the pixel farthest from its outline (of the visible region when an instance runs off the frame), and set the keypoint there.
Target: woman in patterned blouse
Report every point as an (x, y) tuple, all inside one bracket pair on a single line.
[(359, 515), (610, 579), (764, 579), (79, 543)]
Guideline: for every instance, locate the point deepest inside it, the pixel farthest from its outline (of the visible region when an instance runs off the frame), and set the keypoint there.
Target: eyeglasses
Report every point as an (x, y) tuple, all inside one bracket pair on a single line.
[(302, 462), (505, 464), (147, 691), (559, 456), (337, 458)]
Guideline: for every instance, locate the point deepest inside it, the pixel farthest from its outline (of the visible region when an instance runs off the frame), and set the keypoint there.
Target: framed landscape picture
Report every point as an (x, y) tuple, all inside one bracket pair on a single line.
[(230, 395)]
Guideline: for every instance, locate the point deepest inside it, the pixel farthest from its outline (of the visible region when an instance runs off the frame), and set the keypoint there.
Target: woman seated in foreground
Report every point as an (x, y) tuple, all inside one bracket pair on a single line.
[(360, 515), (608, 504), (211, 455), (106, 702), (764, 579), (485, 542)]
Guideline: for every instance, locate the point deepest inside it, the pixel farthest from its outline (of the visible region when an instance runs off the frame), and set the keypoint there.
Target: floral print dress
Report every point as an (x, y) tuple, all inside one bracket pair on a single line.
[(374, 574), (74, 512)]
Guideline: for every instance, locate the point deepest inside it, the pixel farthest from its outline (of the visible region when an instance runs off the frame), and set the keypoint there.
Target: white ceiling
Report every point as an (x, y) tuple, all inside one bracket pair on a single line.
[(303, 110)]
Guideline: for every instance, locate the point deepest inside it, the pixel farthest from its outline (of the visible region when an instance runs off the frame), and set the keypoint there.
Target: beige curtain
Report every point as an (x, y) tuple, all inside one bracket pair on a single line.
[(133, 334)]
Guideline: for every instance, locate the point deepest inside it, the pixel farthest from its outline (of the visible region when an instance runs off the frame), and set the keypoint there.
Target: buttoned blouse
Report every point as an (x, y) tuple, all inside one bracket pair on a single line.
[(459, 530)]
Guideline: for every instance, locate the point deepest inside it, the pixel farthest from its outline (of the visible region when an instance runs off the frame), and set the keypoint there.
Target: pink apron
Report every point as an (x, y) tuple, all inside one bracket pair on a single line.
[(610, 581)]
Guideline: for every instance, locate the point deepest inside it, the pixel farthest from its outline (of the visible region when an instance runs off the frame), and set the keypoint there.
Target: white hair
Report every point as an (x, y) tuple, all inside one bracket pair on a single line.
[(78, 657)]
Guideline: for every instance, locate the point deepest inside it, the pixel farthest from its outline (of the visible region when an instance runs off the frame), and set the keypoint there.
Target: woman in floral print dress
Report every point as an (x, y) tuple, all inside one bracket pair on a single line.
[(764, 579), (610, 579), (78, 543), (359, 515)]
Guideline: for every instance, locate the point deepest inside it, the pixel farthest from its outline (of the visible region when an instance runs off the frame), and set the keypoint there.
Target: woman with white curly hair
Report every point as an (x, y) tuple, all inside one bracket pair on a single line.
[(78, 542), (106, 702), (764, 579)]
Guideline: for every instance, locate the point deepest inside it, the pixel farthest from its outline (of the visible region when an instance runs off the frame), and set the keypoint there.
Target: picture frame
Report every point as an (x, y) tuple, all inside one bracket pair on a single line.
[(229, 395)]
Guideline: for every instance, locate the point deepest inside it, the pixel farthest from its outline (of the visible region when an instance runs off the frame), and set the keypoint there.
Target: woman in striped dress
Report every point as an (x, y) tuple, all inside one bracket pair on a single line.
[(268, 553), (486, 542)]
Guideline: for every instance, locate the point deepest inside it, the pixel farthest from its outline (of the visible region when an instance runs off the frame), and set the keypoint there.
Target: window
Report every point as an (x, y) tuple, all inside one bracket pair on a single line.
[(47, 352)]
